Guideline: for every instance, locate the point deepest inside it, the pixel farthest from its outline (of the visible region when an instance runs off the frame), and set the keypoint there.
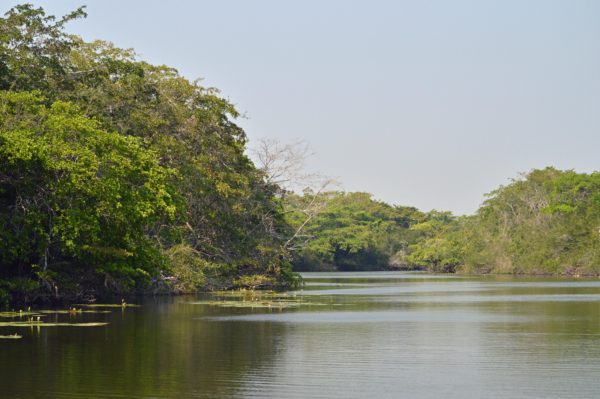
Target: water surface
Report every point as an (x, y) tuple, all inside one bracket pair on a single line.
[(353, 335)]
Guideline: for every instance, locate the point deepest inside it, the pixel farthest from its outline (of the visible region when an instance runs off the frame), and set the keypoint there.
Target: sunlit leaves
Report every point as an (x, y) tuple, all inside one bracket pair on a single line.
[(72, 190)]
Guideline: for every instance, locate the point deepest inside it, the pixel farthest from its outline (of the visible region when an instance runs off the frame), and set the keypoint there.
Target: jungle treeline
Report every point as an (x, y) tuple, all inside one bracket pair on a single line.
[(117, 175), (546, 221), (120, 176)]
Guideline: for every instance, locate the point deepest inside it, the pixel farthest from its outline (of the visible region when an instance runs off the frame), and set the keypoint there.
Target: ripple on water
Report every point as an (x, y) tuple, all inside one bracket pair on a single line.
[(411, 316)]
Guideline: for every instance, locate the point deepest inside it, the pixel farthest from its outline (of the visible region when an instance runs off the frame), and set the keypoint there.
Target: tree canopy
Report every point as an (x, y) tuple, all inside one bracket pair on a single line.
[(546, 222), (352, 231), (113, 162)]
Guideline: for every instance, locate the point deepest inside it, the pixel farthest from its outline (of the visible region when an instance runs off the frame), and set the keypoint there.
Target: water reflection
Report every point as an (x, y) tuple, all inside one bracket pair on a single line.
[(367, 335)]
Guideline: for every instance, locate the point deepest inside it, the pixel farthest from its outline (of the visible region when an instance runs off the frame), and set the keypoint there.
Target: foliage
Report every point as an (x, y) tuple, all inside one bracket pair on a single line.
[(438, 248), (547, 222), (117, 175), (121, 161), (187, 269), (70, 191), (352, 231)]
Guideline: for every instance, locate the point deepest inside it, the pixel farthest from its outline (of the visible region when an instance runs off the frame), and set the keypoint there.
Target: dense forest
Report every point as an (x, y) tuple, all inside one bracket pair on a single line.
[(545, 222), (119, 176), (353, 231)]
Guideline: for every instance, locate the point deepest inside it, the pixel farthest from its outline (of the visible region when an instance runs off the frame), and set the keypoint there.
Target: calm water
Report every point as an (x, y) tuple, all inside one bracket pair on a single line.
[(373, 335)]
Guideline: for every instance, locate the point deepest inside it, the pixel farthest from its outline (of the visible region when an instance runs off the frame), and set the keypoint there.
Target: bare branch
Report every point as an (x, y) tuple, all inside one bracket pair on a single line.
[(283, 165)]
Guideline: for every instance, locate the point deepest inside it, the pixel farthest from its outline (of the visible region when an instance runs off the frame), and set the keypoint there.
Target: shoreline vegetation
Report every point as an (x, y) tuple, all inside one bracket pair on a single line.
[(118, 176), (546, 222)]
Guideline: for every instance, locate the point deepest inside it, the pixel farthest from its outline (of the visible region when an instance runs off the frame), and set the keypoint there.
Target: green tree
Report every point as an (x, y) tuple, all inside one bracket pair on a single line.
[(73, 194), (229, 218), (352, 232), (439, 247), (545, 222)]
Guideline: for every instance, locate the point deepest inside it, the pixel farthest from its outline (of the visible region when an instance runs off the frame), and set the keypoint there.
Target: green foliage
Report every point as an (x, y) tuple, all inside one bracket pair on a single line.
[(72, 191), (108, 162), (187, 269), (548, 222), (33, 50), (117, 175), (438, 248), (353, 231)]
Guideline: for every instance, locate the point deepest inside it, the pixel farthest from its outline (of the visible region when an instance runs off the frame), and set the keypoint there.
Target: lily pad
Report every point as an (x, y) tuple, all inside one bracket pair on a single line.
[(260, 303), (13, 336), (108, 305), (76, 311), (250, 304), (251, 294), (18, 314), (41, 324)]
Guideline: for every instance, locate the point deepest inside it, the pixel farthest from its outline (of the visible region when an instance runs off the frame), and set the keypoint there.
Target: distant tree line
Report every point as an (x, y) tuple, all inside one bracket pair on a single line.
[(545, 222), (352, 231)]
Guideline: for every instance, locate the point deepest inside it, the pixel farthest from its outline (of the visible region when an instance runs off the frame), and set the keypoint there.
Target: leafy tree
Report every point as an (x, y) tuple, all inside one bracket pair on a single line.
[(228, 217), (353, 231), (546, 222), (72, 192), (439, 246)]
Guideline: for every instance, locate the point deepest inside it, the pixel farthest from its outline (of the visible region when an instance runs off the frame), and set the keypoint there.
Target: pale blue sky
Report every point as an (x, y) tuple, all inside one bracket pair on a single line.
[(423, 103)]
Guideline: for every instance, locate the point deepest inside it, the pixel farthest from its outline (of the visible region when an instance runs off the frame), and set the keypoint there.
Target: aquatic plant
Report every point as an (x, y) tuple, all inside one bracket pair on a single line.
[(38, 323), (108, 305), (12, 336)]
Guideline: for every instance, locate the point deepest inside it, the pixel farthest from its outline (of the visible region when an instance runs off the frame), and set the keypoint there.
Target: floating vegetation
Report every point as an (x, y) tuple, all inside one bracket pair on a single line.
[(107, 305), (41, 313), (252, 294), (19, 314), (269, 301), (37, 323), (12, 336), (72, 311), (256, 299), (276, 304)]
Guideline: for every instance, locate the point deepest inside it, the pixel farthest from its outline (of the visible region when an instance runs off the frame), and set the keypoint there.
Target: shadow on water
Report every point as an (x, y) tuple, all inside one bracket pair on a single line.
[(352, 335), (158, 350)]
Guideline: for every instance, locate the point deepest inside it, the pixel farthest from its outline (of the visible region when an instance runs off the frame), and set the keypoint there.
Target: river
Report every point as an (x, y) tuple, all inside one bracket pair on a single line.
[(345, 335)]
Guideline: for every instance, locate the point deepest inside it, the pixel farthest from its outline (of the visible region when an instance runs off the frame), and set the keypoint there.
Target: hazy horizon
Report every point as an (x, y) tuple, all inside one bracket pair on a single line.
[(426, 104)]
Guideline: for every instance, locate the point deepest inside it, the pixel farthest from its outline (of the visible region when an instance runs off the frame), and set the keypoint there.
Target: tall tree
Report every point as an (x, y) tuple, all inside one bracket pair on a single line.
[(73, 194)]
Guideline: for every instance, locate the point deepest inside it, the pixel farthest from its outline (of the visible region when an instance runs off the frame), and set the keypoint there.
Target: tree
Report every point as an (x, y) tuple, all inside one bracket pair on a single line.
[(34, 50), (221, 197), (439, 246), (544, 222), (283, 169), (72, 192), (352, 232)]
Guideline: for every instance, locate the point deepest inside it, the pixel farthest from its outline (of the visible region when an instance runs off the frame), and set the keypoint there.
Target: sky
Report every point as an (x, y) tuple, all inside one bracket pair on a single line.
[(423, 103)]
